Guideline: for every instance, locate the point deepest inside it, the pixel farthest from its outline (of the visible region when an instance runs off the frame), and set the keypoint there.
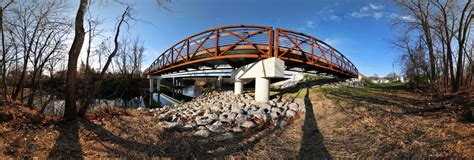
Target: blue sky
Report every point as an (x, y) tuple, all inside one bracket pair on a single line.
[(360, 29)]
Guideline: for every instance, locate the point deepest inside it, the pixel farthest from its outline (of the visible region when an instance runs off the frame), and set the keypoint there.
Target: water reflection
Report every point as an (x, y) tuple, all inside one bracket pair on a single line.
[(192, 91), (54, 106)]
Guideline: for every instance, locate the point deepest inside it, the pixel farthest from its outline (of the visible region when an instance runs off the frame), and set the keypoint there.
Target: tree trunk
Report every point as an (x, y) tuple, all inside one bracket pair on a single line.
[(464, 26), (70, 106), (32, 90), (4, 52)]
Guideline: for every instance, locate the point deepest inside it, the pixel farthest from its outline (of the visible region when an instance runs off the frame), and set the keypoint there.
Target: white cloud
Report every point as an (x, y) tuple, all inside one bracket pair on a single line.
[(307, 24), (332, 41), (359, 14), (378, 15), (365, 8), (334, 18), (375, 6), (407, 18), (371, 10)]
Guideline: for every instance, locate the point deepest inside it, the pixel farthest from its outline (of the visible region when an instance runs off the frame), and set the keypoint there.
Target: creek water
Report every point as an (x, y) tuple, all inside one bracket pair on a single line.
[(192, 91), (56, 106)]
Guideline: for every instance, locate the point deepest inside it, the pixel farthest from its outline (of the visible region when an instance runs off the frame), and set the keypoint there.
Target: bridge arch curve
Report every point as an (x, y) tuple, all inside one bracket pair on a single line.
[(239, 45)]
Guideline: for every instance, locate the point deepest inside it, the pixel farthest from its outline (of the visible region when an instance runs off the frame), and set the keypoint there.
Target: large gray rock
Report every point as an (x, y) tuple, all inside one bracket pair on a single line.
[(169, 125), (290, 113), (215, 108), (247, 124), (277, 110), (251, 112), (232, 115), (265, 107), (237, 129), (237, 109), (265, 117), (202, 133), (212, 116), (241, 117), (274, 115), (280, 104), (202, 120), (301, 107), (216, 127), (187, 127), (227, 117), (293, 106), (271, 103), (228, 136)]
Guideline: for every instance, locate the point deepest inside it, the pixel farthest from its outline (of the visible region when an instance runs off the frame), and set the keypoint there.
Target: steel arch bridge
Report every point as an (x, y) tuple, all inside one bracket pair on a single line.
[(239, 45)]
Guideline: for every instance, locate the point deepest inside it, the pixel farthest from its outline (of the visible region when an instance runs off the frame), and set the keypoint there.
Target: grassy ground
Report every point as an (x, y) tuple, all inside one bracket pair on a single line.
[(387, 120), (373, 121)]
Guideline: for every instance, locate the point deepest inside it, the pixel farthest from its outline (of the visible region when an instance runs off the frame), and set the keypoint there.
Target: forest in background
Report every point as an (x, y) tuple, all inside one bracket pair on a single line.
[(437, 47)]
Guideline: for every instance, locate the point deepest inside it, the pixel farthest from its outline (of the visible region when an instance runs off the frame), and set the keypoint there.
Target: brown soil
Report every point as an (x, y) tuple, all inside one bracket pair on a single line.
[(339, 122)]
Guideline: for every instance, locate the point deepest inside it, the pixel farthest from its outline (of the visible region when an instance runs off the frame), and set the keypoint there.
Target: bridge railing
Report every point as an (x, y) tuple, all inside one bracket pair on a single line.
[(214, 43), (217, 43), (314, 51)]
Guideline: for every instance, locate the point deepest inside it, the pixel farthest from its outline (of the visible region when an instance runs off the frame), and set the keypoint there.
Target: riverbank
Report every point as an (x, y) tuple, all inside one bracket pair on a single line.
[(340, 121)]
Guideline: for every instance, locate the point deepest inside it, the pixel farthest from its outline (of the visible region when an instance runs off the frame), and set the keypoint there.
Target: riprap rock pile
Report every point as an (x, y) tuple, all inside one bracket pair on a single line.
[(225, 113)]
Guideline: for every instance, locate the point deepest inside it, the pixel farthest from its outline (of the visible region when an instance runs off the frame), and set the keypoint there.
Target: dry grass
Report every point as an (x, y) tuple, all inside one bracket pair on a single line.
[(339, 122)]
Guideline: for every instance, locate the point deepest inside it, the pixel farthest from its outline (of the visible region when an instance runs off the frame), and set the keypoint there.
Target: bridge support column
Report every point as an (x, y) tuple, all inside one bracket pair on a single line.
[(219, 82), (262, 89), (173, 87), (158, 85), (152, 102), (262, 71), (238, 87)]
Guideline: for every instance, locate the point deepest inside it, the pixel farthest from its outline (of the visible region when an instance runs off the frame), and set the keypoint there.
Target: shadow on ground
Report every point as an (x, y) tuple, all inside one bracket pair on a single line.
[(312, 143), (404, 102), (298, 87), (67, 144)]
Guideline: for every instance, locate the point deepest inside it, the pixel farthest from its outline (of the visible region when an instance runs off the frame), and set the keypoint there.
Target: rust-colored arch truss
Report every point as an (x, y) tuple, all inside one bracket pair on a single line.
[(242, 44)]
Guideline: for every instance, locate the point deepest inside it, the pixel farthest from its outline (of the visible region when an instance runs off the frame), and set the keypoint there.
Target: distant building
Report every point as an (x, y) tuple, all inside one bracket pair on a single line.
[(380, 80), (392, 77)]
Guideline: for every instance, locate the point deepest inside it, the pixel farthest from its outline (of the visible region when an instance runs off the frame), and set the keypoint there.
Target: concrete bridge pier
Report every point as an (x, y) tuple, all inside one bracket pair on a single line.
[(238, 87), (219, 82), (173, 87), (262, 71), (262, 89), (152, 102)]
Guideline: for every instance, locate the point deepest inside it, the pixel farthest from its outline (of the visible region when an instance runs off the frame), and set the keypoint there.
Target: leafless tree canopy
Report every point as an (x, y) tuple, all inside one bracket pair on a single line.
[(437, 48), (41, 50)]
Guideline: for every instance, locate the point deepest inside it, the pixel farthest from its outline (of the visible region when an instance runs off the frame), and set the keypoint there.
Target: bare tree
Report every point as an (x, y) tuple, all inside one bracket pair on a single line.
[(70, 110), (4, 49), (445, 26), (42, 54), (97, 85), (421, 10), (29, 28), (464, 24)]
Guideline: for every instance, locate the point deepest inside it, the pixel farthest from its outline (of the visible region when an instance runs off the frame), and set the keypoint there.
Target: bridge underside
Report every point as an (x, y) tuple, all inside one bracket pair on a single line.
[(239, 46)]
